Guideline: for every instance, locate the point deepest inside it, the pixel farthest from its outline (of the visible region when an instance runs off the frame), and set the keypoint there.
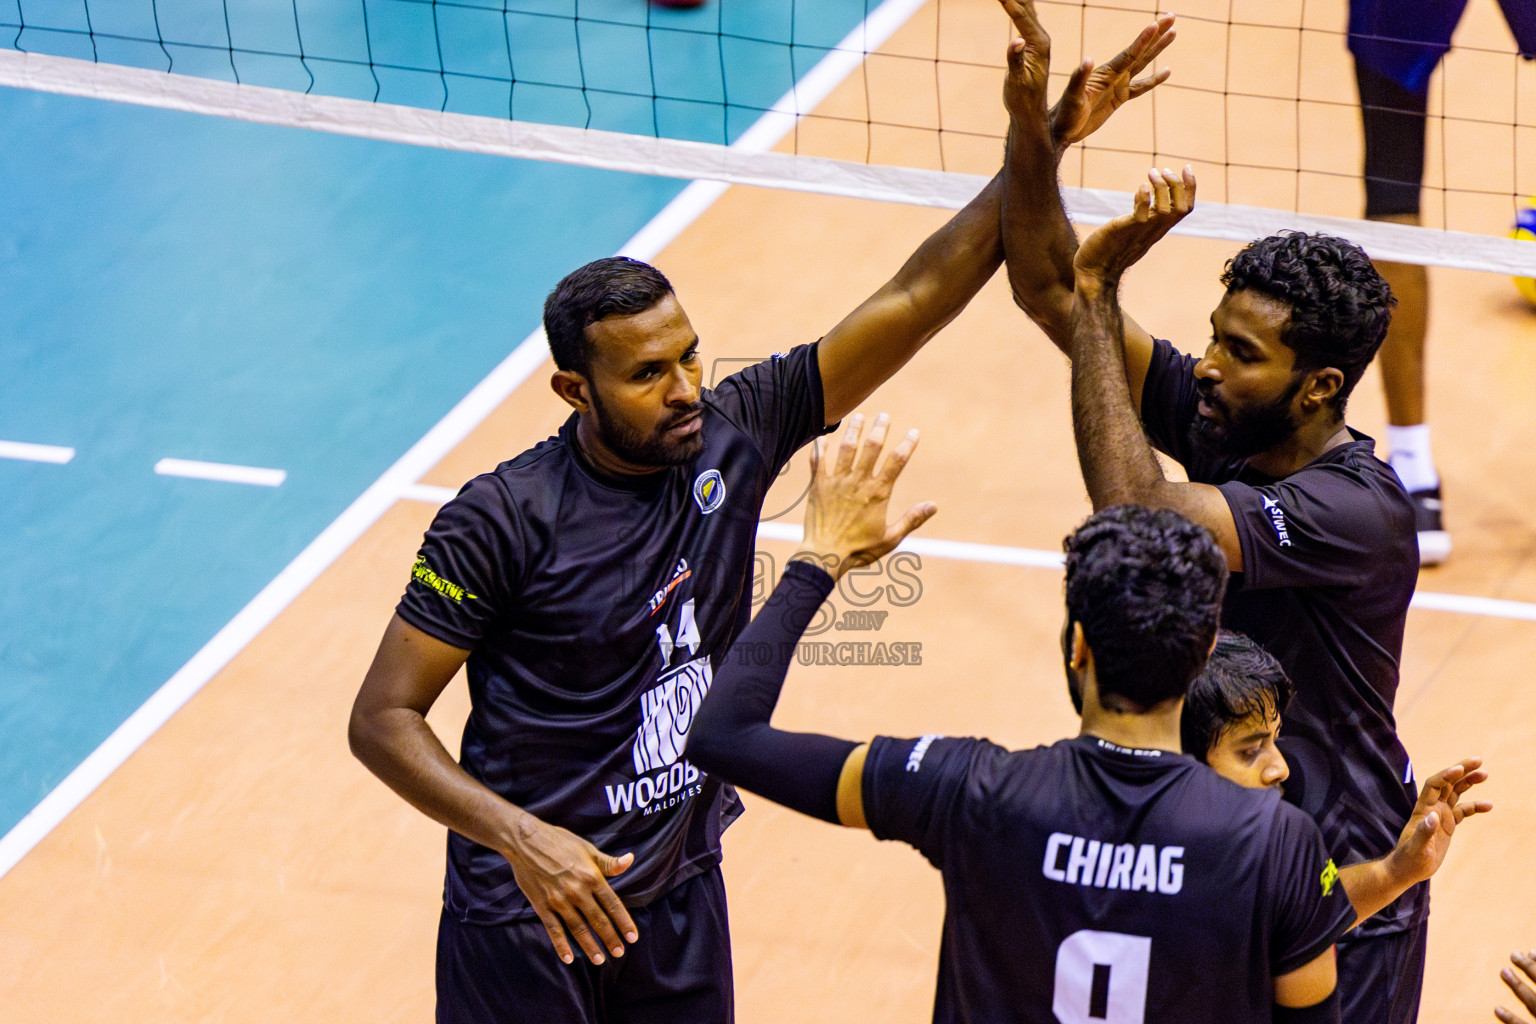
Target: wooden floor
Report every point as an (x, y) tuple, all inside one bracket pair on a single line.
[(242, 867)]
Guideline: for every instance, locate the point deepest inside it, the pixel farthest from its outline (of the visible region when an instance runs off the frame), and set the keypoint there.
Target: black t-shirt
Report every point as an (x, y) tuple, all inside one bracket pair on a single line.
[(1085, 882), (594, 609), (1330, 561)]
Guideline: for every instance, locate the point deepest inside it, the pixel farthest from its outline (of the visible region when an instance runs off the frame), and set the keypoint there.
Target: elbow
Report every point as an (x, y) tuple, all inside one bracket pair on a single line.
[(362, 736), (1045, 308)]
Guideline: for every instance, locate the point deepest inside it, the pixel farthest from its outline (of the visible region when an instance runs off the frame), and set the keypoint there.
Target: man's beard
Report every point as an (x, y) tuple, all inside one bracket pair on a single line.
[(654, 450), (1247, 431)]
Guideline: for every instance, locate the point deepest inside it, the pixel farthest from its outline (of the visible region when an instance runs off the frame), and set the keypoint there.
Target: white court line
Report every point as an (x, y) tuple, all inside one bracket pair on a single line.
[(346, 529), (221, 471), (35, 452), (428, 493), (964, 551)]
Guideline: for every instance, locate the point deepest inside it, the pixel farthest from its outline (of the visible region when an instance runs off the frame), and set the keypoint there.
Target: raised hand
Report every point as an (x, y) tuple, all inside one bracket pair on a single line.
[(845, 516), (1161, 202), (1426, 838), (1093, 93), (566, 880), (1029, 63)]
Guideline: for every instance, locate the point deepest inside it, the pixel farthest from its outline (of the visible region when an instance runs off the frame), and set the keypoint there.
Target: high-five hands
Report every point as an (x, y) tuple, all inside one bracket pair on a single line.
[(1092, 93), (1162, 201), (845, 516)]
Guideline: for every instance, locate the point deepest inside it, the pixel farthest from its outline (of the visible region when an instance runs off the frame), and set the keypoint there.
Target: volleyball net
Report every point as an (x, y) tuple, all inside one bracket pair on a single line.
[(897, 101)]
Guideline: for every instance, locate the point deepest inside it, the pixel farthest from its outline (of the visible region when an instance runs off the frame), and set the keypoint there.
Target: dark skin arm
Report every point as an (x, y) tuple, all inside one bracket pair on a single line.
[(1119, 466), (947, 270), (930, 290), (563, 875), (1038, 239)]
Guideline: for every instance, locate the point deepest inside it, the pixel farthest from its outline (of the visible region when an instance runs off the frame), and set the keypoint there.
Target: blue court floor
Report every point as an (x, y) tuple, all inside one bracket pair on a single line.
[(182, 287)]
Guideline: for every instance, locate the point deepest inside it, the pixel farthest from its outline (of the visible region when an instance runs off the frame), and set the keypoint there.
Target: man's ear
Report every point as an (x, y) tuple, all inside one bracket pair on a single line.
[(572, 389), (1321, 386), (1080, 656)]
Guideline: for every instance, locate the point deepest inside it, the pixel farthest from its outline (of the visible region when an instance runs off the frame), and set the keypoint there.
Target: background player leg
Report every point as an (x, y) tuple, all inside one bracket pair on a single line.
[(1394, 122)]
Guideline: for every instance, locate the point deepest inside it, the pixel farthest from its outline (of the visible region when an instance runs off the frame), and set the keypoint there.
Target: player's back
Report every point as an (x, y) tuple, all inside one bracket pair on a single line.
[(1090, 883)]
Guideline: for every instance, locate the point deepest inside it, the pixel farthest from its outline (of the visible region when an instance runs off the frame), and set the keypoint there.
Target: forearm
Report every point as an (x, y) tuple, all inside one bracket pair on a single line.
[(397, 745), (731, 735), (1118, 464), (930, 289), (950, 266), (1038, 238), (1373, 885)]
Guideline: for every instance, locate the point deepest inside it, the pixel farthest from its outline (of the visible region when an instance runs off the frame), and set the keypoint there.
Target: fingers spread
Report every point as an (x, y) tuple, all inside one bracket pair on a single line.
[(916, 516), (1022, 14), (1145, 85), (869, 451), (848, 444), (896, 459)]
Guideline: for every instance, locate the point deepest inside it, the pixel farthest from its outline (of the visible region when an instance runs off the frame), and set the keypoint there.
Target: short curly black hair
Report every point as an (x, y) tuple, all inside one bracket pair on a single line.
[(1240, 680), (612, 286), (1147, 586), (1340, 304)]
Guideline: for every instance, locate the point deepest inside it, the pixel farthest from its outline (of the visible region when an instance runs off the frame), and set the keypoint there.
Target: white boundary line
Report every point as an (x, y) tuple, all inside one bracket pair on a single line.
[(369, 506), (746, 163), (1032, 558), (223, 472), (28, 452)]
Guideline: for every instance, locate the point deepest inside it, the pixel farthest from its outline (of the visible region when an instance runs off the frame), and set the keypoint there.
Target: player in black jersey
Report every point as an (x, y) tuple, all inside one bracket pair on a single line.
[(1104, 878), (1318, 532), (1231, 720), (590, 587)]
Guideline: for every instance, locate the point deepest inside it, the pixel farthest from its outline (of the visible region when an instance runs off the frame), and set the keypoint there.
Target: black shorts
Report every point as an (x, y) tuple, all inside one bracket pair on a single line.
[(678, 970), (1380, 978)]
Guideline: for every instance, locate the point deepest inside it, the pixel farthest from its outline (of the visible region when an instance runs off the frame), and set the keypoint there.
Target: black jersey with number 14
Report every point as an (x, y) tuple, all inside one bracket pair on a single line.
[(595, 610)]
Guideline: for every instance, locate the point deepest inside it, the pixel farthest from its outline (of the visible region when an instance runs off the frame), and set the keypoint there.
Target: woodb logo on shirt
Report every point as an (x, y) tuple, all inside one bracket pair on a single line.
[(709, 490)]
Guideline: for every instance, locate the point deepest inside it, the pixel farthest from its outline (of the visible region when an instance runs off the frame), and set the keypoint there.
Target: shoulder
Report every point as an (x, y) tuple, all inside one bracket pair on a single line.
[(510, 493), (759, 378), (1354, 487)]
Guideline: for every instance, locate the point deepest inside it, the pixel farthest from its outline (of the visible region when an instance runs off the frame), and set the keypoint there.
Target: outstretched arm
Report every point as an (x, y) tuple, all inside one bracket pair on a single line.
[(1038, 239), (1118, 464), (845, 527), (1424, 842), (947, 270), (563, 875), (930, 290)]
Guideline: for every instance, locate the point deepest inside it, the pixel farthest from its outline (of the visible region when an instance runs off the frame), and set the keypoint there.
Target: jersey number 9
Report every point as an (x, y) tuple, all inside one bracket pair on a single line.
[(1101, 978)]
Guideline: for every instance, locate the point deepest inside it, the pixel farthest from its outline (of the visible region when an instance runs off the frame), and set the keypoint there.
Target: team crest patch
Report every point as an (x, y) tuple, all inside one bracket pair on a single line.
[(709, 490)]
